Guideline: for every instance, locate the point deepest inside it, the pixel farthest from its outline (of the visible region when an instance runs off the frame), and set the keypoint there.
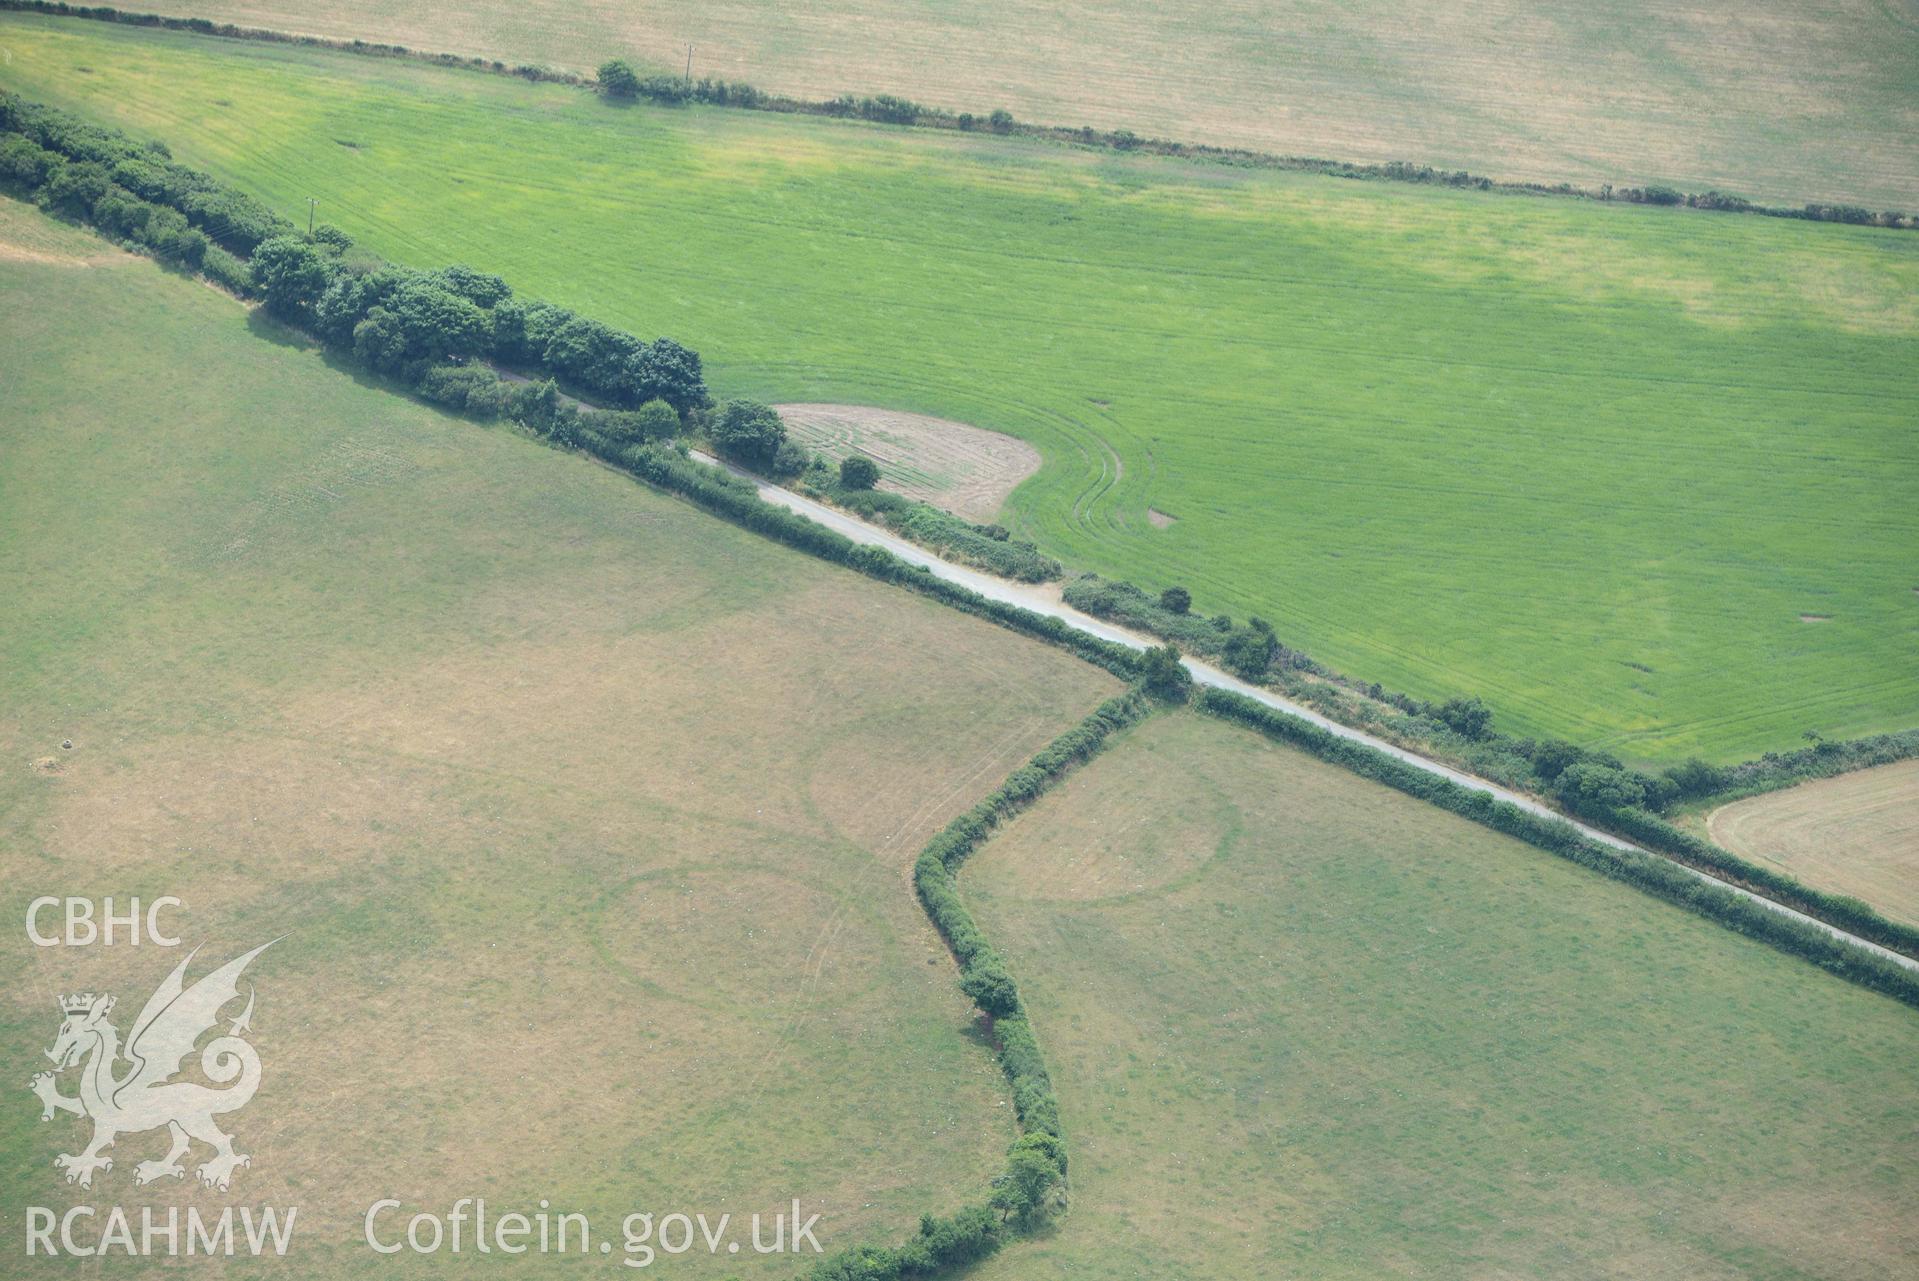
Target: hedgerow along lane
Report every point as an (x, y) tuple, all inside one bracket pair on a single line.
[(1588, 462)]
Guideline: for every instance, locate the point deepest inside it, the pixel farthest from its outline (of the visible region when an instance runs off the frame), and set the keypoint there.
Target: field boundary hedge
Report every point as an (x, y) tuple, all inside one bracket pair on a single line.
[(1460, 733), (887, 109), (1651, 873), (739, 501), (537, 407), (230, 217), (1036, 1163), (1849, 914), (1826, 758)]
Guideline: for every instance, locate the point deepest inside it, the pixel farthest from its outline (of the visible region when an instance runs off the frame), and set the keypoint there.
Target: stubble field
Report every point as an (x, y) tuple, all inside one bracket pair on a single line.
[(1856, 834)]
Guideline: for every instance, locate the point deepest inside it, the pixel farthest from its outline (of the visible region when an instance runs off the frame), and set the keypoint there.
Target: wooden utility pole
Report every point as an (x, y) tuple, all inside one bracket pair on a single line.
[(689, 64), (311, 205)]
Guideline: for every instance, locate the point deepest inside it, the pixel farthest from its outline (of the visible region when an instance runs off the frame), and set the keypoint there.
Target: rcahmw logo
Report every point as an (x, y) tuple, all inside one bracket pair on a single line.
[(128, 1088)]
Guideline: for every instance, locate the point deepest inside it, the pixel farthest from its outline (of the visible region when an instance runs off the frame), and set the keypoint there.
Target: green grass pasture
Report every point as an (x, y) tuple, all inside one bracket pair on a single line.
[(589, 843), (1303, 1026), (1594, 463)]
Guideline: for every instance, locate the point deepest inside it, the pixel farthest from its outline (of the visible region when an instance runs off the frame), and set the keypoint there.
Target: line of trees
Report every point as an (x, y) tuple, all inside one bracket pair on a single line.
[(1597, 786), (434, 331), (739, 501), (1250, 650), (133, 191), (1697, 782)]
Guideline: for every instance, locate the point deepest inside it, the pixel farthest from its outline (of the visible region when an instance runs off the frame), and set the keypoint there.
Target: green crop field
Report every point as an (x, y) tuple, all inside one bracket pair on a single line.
[(588, 842), (1769, 98), (1591, 462), (1303, 1026)]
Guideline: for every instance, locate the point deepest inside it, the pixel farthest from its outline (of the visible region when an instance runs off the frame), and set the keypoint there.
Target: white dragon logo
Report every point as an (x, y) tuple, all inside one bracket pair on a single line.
[(174, 1017)]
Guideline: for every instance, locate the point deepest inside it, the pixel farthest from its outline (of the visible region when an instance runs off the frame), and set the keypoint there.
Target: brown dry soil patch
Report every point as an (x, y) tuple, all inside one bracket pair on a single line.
[(1856, 834), (966, 470)]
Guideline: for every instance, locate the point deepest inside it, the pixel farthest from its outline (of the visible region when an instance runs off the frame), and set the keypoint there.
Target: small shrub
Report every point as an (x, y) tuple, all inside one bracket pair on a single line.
[(859, 472), (790, 459), (1592, 788), (331, 239), (617, 79), (1467, 717), (1165, 675), (657, 420)]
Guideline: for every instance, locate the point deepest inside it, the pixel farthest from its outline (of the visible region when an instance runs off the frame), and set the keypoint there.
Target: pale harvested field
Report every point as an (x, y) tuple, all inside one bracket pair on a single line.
[(589, 844), (969, 471), (1775, 99), (1856, 834)]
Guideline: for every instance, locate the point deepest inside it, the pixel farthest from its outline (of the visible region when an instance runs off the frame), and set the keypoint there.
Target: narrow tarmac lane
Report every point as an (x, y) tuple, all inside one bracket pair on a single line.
[(1042, 601)]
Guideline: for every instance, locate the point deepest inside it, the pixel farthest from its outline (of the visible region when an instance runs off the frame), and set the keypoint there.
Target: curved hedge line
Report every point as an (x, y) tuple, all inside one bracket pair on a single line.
[(1657, 876), (1036, 1162)]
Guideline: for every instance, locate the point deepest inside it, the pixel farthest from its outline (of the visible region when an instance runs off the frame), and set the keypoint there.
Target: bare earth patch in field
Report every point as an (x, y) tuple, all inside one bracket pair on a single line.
[(967, 470), (1857, 834)]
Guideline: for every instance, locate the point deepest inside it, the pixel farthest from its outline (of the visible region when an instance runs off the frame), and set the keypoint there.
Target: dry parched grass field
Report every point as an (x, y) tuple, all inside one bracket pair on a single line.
[(1303, 1026), (1773, 99), (588, 837), (1856, 834)]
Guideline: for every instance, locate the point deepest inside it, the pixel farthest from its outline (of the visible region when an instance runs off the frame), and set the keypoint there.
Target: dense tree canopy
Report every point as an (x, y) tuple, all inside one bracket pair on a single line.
[(748, 432), (1590, 787), (291, 276), (617, 79), (1165, 675)]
